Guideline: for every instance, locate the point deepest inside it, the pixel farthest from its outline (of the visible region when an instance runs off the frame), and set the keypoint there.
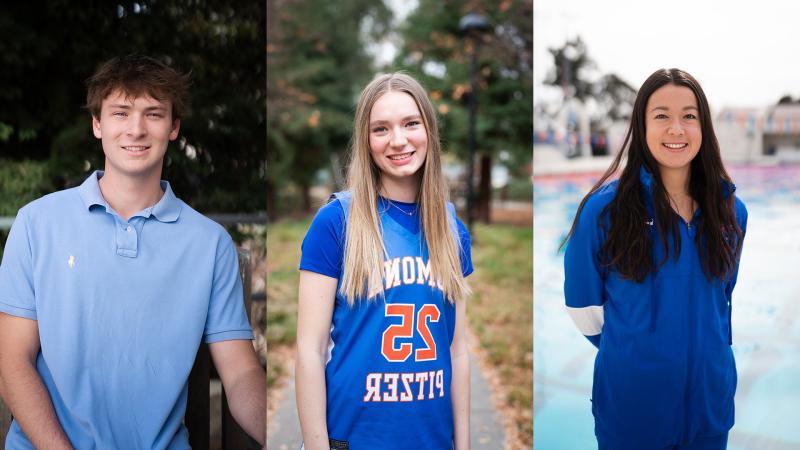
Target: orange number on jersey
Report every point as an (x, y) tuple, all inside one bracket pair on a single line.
[(404, 329), (428, 311)]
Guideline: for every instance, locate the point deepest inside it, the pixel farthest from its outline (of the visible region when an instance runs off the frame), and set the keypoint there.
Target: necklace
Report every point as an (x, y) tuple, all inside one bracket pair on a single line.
[(677, 209), (409, 213)]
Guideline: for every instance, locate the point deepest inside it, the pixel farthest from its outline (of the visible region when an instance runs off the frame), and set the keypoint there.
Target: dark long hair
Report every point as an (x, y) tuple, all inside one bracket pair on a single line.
[(628, 245)]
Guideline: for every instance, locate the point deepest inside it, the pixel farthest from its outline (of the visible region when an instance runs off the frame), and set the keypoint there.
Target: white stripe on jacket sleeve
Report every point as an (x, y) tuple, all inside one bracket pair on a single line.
[(588, 319)]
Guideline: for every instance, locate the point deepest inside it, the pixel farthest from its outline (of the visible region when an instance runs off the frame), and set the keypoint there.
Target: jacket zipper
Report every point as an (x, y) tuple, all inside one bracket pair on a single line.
[(689, 353)]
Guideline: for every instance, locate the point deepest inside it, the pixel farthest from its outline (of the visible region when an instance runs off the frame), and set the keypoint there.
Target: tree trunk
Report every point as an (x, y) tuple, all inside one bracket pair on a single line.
[(272, 204), (485, 189), (306, 193)]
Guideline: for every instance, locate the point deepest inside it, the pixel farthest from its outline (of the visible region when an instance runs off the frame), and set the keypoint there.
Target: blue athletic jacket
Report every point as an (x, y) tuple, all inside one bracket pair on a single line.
[(664, 373)]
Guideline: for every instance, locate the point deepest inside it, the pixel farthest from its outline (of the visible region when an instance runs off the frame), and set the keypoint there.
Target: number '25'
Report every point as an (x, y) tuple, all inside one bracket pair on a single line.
[(405, 329)]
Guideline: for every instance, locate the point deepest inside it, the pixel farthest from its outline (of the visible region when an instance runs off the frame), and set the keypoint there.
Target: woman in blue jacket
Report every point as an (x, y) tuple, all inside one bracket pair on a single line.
[(650, 264)]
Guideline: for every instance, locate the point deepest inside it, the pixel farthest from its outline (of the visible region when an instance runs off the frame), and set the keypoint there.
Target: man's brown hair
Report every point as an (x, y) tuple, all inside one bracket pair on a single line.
[(135, 76)]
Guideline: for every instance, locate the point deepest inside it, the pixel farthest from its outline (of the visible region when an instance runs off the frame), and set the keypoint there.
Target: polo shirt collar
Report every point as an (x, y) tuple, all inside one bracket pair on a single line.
[(90, 191), (168, 208)]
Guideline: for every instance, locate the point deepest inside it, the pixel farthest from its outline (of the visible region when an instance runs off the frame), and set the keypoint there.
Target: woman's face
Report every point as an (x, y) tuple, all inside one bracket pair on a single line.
[(672, 124), (398, 140)]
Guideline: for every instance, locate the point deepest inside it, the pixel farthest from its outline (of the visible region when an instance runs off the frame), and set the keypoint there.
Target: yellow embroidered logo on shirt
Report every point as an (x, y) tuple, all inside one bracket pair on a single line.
[(71, 261)]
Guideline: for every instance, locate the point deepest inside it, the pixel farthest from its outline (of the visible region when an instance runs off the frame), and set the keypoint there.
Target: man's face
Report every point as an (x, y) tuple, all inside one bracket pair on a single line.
[(134, 132)]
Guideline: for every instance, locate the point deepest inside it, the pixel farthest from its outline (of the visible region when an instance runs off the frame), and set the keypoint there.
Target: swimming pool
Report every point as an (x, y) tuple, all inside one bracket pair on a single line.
[(766, 333)]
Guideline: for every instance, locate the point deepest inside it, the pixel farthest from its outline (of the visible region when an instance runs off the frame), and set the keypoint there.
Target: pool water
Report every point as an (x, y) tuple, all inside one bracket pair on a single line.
[(766, 316)]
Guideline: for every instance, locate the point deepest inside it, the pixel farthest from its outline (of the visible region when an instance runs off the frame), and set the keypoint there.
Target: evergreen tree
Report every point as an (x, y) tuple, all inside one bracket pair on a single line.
[(434, 50), (316, 66)]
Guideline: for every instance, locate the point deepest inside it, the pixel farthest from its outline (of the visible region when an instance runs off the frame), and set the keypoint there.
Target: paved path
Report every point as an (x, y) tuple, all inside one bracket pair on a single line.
[(283, 429)]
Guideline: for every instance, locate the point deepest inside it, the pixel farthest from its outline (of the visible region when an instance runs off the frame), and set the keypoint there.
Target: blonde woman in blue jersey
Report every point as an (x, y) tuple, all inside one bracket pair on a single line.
[(382, 360)]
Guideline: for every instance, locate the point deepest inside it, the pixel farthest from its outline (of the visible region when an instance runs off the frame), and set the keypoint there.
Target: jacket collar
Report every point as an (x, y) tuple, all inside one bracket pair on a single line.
[(646, 179)]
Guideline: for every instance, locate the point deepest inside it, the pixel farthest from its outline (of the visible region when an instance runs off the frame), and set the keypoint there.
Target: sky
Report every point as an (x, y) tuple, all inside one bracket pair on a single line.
[(386, 50), (743, 53)]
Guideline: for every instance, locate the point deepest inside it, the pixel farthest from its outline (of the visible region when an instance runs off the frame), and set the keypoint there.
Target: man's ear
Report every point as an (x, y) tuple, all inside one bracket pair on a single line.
[(176, 127), (96, 127)]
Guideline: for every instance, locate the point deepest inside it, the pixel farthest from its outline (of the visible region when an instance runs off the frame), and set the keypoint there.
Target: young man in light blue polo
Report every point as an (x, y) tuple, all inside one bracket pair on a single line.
[(108, 289)]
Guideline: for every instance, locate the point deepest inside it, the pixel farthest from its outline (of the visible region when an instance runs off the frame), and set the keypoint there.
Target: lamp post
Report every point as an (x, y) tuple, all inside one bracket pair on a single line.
[(472, 26)]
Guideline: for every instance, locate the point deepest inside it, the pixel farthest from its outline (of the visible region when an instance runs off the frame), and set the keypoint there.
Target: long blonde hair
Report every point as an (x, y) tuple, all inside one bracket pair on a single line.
[(364, 250)]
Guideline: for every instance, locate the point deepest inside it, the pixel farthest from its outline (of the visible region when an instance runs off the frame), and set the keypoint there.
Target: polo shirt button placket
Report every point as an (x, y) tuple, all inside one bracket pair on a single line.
[(127, 240)]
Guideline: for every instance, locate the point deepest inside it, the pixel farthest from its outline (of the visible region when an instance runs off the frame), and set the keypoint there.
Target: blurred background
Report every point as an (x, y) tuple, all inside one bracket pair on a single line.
[(217, 165), (319, 56), (590, 59)]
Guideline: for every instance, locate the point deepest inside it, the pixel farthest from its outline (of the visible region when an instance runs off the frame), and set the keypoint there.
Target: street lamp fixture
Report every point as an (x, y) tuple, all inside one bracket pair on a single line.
[(472, 26)]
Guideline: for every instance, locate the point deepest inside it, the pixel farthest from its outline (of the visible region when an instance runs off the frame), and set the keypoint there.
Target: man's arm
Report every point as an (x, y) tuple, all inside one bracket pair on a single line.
[(245, 385), (316, 299), (459, 387), (22, 387)]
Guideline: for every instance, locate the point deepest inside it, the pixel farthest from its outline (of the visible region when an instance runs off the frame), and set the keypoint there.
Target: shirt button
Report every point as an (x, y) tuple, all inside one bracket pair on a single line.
[(130, 229)]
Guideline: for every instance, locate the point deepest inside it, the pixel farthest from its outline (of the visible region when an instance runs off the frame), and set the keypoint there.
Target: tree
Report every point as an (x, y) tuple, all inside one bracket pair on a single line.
[(609, 98), (571, 67), (434, 51), (317, 64), (614, 97)]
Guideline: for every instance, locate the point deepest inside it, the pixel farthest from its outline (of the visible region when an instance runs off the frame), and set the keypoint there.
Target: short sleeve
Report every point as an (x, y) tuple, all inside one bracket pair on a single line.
[(17, 295), (226, 318), (323, 245), (466, 248)]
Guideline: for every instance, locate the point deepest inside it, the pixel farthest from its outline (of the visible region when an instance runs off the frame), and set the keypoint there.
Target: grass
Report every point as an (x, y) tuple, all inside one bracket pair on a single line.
[(283, 257), (501, 313), (500, 310)]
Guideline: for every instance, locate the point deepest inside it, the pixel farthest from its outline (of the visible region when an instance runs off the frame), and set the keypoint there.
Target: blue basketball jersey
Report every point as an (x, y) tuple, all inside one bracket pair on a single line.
[(388, 371)]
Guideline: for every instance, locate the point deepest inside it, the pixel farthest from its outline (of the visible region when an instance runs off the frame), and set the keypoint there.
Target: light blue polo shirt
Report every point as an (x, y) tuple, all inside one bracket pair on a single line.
[(122, 307)]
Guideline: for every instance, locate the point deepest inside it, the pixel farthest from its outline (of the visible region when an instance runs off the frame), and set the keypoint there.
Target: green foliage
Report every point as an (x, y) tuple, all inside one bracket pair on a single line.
[(221, 43), (5, 131), (316, 67), (431, 39), (20, 183)]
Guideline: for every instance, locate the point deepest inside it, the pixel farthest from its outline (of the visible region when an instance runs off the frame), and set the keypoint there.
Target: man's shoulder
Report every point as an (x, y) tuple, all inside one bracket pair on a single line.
[(198, 224), (54, 204)]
